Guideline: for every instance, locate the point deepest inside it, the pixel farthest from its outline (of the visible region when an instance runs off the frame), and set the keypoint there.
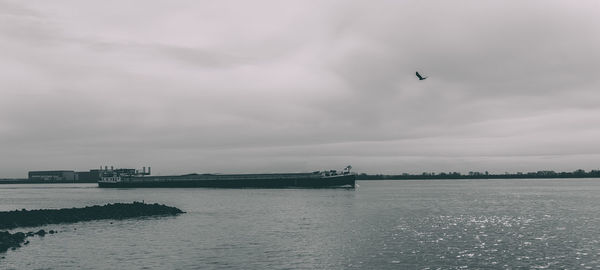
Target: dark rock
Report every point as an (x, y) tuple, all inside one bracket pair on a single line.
[(11, 240), (29, 218), (41, 232), (51, 232)]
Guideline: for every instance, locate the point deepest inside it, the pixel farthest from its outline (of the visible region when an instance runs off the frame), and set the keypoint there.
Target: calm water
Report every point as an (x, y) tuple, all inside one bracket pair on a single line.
[(382, 225)]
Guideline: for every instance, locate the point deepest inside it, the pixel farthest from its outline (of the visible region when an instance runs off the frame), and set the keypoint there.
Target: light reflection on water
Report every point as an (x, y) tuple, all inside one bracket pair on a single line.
[(382, 225)]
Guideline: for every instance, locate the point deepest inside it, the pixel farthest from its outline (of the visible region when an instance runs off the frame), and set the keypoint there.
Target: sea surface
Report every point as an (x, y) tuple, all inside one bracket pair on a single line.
[(420, 224)]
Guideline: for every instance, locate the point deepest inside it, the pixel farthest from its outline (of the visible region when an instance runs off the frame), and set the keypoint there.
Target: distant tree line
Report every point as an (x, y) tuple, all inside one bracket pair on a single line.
[(481, 175)]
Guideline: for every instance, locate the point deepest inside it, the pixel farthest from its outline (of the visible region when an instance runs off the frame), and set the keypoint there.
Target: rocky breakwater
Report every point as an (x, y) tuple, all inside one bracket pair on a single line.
[(31, 218)]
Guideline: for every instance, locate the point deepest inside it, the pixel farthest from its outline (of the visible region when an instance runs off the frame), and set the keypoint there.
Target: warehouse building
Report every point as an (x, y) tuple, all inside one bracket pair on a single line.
[(52, 176), (88, 177), (91, 176)]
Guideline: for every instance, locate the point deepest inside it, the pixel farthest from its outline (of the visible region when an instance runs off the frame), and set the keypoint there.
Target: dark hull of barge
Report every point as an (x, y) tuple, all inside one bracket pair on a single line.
[(340, 181)]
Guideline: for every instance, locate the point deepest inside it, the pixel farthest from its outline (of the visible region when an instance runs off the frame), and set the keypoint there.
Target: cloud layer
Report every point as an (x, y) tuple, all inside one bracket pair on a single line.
[(230, 86)]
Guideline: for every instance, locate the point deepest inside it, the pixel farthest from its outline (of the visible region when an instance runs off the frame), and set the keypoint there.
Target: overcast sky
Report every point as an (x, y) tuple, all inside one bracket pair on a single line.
[(275, 86)]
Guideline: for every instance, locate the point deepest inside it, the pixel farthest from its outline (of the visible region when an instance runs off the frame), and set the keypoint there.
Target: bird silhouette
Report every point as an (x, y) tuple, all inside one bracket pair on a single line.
[(420, 77)]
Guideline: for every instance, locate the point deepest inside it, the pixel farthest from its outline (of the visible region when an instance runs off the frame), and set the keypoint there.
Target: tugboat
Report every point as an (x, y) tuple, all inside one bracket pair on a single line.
[(132, 178)]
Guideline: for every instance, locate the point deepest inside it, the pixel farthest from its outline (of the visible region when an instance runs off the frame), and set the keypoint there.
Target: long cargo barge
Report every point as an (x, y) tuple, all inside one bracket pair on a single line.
[(128, 178)]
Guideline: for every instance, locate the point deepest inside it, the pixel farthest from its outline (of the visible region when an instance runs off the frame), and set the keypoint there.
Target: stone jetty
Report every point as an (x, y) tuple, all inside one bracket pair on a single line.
[(31, 218)]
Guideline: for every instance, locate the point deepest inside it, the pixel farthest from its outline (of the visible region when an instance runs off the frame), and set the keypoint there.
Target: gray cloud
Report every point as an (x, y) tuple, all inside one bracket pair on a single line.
[(201, 86)]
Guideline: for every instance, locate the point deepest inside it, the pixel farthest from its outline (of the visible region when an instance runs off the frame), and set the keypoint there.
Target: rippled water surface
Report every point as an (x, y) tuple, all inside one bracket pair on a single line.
[(458, 224)]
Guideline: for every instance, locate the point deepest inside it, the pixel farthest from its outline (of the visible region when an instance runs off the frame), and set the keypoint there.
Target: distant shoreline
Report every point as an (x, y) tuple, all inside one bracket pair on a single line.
[(357, 179), (27, 181), (423, 176), (483, 176), (470, 178)]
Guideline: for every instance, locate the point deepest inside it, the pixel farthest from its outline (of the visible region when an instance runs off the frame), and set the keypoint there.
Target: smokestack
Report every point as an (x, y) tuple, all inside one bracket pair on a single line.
[(148, 170), (112, 168), (106, 168), (144, 170)]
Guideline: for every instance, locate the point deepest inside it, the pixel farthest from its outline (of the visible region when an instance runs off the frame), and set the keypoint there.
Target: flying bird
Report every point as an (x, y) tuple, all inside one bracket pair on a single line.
[(420, 77)]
